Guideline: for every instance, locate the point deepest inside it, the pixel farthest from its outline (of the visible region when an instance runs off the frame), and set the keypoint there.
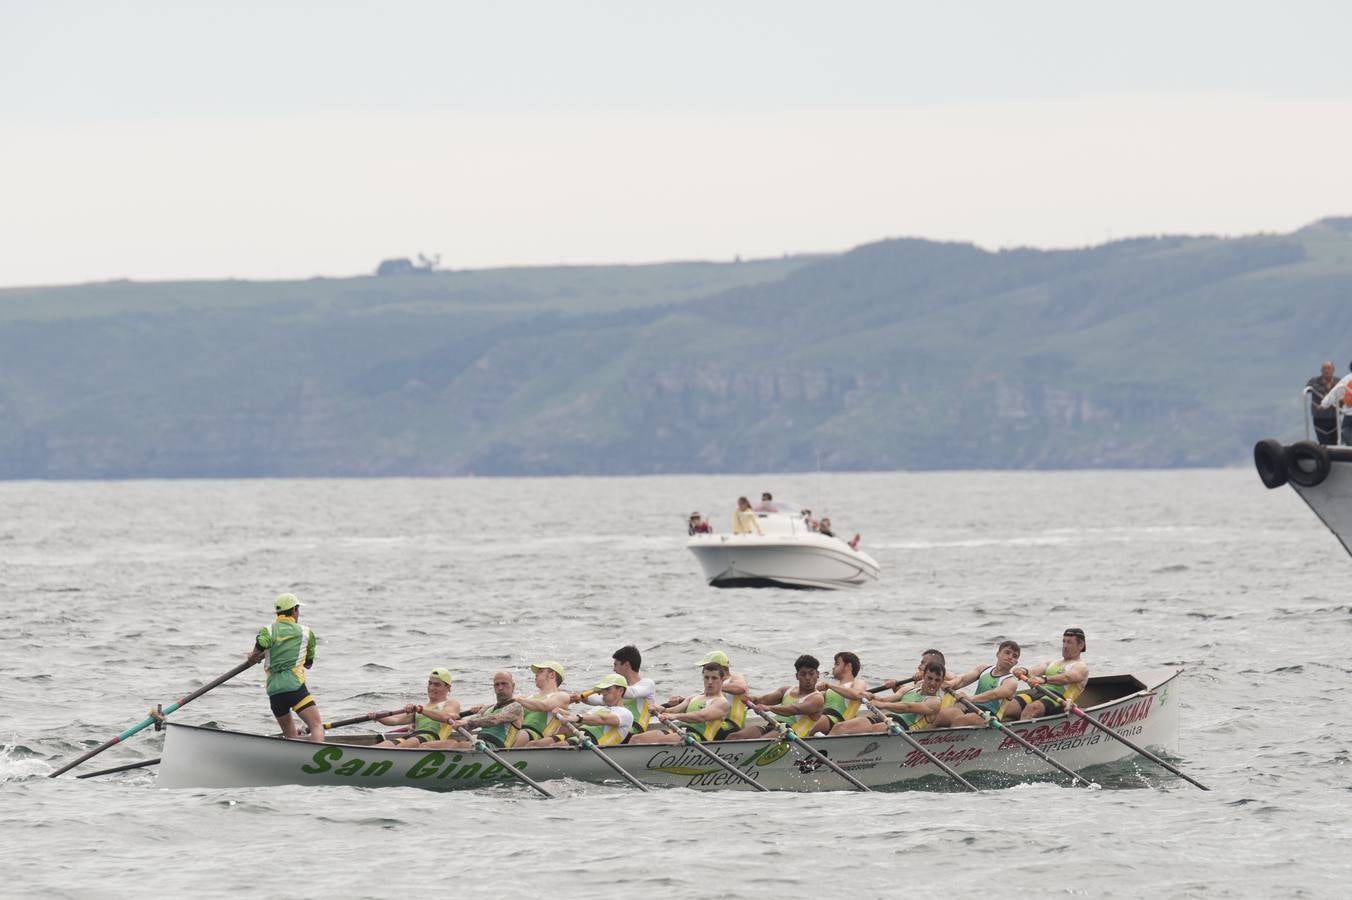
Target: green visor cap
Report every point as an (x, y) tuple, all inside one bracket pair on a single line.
[(716, 657), (610, 681), (286, 602), (441, 675), (549, 664)]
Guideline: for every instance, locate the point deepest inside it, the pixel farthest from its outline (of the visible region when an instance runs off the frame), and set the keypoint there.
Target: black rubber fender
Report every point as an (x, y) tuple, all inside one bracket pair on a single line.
[(1269, 458), (1307, 463)]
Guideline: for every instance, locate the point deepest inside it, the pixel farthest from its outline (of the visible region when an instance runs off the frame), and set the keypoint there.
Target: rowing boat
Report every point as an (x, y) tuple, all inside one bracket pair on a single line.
[(1141, 706)]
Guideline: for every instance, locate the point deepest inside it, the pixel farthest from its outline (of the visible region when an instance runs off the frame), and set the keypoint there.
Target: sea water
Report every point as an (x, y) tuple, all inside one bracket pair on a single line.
[(115, 596)]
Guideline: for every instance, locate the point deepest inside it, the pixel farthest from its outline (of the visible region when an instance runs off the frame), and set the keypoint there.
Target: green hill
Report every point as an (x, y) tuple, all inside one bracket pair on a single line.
[(901, 354)]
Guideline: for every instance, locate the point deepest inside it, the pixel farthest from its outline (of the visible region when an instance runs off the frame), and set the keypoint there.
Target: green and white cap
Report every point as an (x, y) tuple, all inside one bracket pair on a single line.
[(549, 664), (286, 602), (441, 675), (611, 680), (716, 657)]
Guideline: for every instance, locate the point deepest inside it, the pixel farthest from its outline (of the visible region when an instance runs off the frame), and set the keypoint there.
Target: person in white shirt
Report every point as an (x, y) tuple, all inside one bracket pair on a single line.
[(610, 723), (1339, 397), (639, 693)]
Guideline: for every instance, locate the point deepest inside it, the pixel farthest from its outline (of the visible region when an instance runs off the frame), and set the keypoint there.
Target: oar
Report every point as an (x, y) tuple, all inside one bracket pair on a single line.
[(689, 740), (899, 683), (586, 739), (1070, 707), (895, 729), (328, 726), (150, 720), (792, 737), (993, 722), (492, 754)]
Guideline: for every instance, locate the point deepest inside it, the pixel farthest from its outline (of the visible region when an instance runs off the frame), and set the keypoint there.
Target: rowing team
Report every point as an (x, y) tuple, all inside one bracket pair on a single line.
[(624, 708)]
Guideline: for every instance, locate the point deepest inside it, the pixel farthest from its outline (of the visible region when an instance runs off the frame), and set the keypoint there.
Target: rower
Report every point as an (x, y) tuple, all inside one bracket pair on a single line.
[(539, 728), (611, 724), (430, 720), (703, 716), (638, 696), (842, 695), (1065, 677), (995, 684), (287, 649), (920, 704), (496, 724), (734, 688), (797, 706), (929, 656)]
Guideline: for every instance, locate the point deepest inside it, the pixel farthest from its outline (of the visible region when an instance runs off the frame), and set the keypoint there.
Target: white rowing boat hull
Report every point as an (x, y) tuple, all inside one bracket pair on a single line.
[(793, 561), (1141, 707)]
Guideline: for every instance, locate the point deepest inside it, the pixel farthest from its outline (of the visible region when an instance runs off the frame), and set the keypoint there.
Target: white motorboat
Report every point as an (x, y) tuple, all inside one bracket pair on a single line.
[(1320, 474), (787, 554)]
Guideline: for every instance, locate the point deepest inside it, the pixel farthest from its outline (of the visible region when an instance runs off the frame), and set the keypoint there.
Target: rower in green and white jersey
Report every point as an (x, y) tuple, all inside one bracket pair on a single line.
[(609, 725), (1065, 677), (995, 685), (430, 720), (916, 708), (797, 706), (539, 728), (843, 694), (703, 716), (496, 724), (639, 695), (287, 649)]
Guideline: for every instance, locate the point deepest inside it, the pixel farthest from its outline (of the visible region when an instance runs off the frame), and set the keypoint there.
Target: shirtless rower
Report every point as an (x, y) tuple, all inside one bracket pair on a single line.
[(703, 716), (539, 728), (610, 724), (640, 694), (1065, 677), (734, 688), (495, 724), (797, 706), (912, 700), (430, 720), (842, 695), (995, 684)]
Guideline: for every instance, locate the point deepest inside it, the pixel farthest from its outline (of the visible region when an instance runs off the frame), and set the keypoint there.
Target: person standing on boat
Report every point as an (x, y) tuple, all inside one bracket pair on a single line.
[(539, 728), (1339, 400), (744, 518), (495, 724), (698, 525), (1325, 420), (842, 695), (287, 649), (767, 503), (640, 693), (703, 716), (430, 720), (611, 724), (995, 684), (798, 706), (1065, 677)]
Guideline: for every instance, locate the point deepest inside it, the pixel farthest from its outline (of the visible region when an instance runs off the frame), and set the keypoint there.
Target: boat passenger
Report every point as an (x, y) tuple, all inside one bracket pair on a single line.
[(640, 694), (698, 525), (995, 684), (703, 716), (1325, 420), (286, 650), (843, 694), (744, 519), (1340, 395), (1065, 677), (430, 720), (495, 724), (539, 728), (767, 504), (611, 723), (824, 527), (797, 706)]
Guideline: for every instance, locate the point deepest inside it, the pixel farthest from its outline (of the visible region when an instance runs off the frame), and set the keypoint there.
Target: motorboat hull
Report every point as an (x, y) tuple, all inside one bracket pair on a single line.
[(1143, 707), (804, 561), (1320, 475)]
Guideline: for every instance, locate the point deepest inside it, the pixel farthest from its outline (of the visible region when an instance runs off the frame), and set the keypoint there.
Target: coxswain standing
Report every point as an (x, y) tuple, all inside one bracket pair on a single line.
[(286, 650), (1065, 677)]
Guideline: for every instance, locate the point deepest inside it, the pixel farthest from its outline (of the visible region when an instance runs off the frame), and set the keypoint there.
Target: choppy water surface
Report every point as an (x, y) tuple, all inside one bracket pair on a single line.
[(116, 596)]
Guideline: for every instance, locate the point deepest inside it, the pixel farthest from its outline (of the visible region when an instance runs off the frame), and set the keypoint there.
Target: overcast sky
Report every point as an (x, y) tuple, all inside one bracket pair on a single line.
[(207, 140)]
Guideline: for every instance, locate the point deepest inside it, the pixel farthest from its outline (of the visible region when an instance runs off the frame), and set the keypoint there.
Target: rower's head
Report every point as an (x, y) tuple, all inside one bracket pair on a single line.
[(1007, 655), (548, 675), (627, 661), (713, 678), (845, 666), (287, 605), (1072, 643), (438, 684), (932, 678), (612, 689), (930, 656), (504, 686), (808, 670)]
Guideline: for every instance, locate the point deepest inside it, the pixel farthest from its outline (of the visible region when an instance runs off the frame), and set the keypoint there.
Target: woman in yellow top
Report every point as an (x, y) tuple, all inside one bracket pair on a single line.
[(744, 518)]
